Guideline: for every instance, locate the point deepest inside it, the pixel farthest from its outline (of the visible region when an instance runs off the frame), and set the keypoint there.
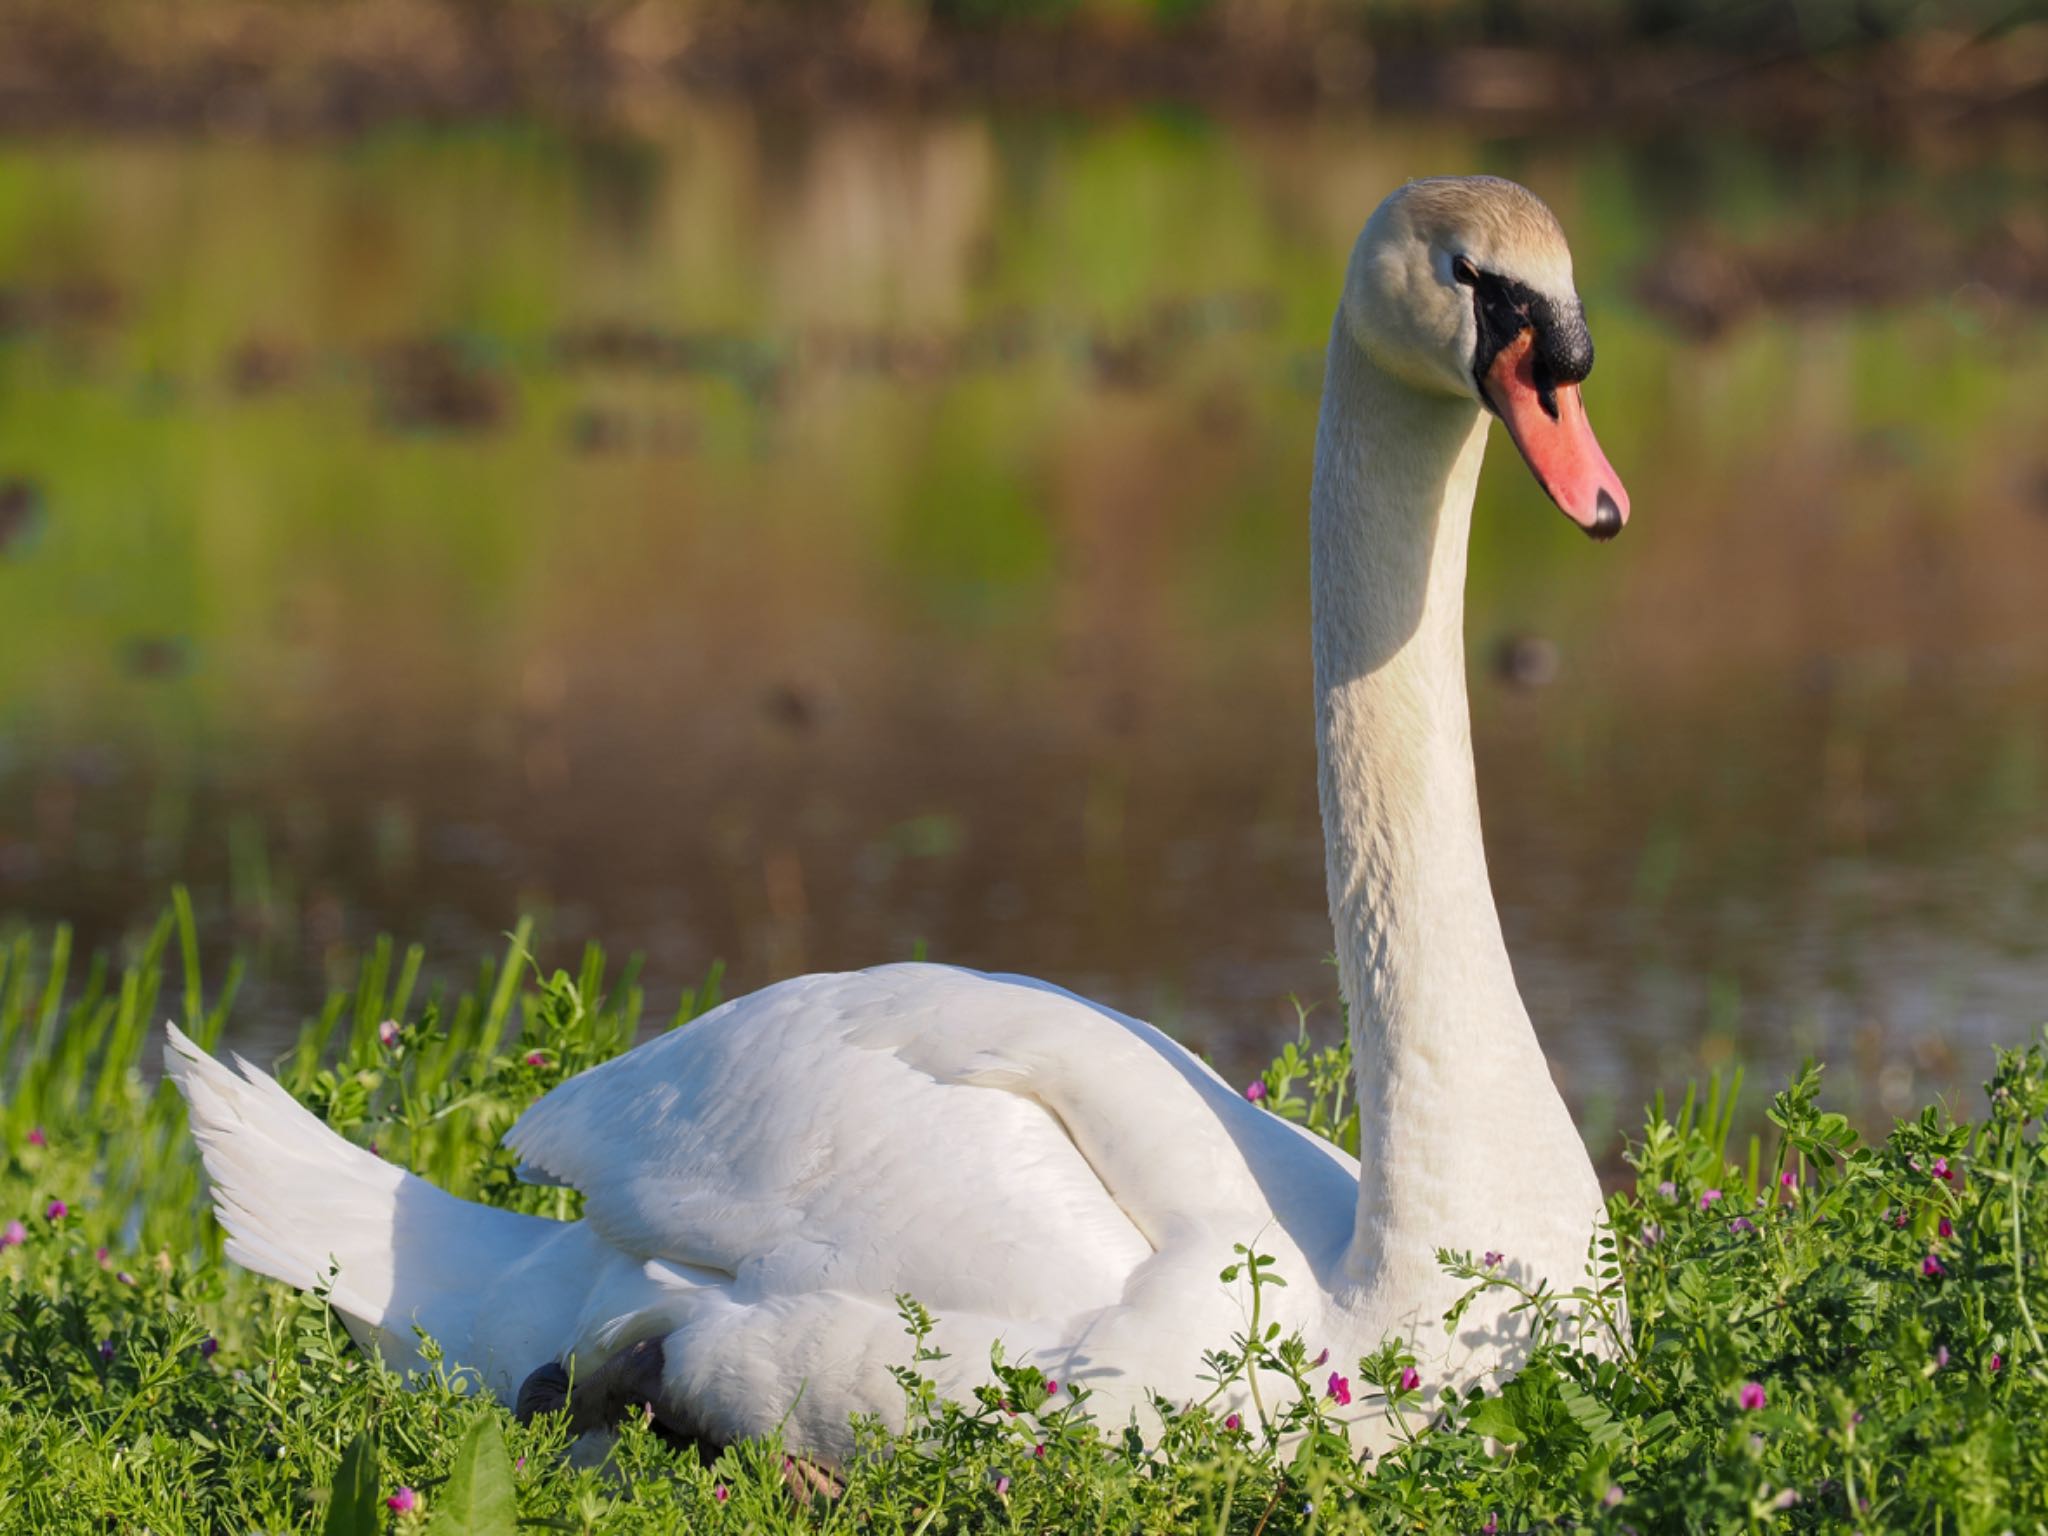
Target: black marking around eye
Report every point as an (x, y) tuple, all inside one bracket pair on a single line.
[(1504, 308)]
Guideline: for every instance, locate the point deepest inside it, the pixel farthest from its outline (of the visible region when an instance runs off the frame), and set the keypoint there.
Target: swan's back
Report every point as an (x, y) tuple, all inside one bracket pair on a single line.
[(982, 1142)]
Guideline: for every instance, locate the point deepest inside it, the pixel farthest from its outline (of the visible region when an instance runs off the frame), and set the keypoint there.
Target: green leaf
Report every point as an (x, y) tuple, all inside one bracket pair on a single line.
[(478, 1499), (352, 1500), (1493, 1417)]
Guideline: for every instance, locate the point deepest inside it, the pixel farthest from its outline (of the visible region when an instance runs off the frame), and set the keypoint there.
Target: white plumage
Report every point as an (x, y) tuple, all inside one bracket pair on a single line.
[(761, 1185), (1046, 1175)]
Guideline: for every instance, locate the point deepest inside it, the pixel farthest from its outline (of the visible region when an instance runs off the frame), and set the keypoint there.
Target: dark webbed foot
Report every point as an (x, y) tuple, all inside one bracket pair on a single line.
[(545, 1391), (628, 1383)]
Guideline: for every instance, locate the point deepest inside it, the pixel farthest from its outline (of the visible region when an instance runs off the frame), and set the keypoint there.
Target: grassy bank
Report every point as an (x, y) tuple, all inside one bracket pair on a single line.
[(1821, 1335)]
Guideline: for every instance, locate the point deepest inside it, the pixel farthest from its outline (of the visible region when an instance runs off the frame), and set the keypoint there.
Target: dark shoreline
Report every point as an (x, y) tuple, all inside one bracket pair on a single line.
[(254, 66)]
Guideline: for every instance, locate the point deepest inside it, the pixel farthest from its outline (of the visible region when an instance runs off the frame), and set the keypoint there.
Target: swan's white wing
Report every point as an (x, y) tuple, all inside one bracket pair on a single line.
[(988, 1144)]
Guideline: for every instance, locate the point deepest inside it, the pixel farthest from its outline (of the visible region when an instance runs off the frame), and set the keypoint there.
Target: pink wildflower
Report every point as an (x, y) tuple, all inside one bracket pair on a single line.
[(56, 1210), (1038, 1451), (721, 1493), (1788, 1181), (1052, 1388), (1411, 1378), (14, 1235), (100, 1257), (209, 1347), (1941, 1357), (1492, 1259), (1741, 1224), (1255, 1090), (106, 1349), (536, 1058), (404, 1501), (1668, 1190), (1998, 1362), (1708, 1197), (1899, 1220), (1002, 1487), (1751, 1396), (1492, 1525), (387, 1036), (1931, 1266), (1234, 1423), (36, 1138), (1943, 1171), (124, 1277), (1613, 1496), (1340, 1389), (1946, 1227), (1653, 1234)]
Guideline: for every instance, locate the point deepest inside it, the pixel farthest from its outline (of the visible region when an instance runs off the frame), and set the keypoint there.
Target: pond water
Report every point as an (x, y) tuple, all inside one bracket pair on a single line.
[(806, 542)]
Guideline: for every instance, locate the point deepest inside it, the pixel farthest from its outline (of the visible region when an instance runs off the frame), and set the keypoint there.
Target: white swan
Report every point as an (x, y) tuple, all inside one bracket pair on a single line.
[(1039, 1170)]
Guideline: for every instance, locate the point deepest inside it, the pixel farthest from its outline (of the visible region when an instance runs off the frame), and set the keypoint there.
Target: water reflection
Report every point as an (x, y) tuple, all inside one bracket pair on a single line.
[(799, 542)]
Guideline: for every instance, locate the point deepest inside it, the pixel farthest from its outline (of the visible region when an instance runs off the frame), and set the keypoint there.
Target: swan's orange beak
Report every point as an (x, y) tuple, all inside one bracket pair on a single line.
[(1556, 440)]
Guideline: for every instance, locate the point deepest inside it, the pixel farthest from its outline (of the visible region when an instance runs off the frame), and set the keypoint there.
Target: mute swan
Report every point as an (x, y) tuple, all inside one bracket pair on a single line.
[(1039, 1170)]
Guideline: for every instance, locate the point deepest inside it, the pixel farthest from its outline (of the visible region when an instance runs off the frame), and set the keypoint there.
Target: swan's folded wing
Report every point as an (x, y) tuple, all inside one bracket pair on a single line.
[(794, 1140)]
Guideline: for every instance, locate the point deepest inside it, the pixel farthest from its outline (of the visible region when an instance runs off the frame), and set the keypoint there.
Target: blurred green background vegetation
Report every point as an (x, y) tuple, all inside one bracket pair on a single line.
[(753, 508)]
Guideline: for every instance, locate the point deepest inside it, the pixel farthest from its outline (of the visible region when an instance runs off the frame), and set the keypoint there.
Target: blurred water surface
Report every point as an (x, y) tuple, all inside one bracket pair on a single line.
[(799, 542)]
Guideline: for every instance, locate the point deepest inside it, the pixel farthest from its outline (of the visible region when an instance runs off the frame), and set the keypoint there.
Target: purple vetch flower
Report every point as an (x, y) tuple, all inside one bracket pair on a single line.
[(56, 1210), (13, 1235), (1492, 1259), (1340, 1389), (1941, 1357), (1234, 1422), (1750, 1396), (124, 1277), (1788, 1181), (1492, 1525), (36, 1138), (404, 1501), (536, 1058), (1255, 1090), (1668, 1190), (1052, 1388), (720, 1492), (1002, 1487), (387, 1036), (1613, 1496), (100, 1257), (106, 1349), (1741, 1224), (1946, 1227), (1410, 1379), (1038, 1451), (1943, 1171), (1997, 1363), (1899, 1220), (1931, 1267), (1708, 1197), (209, 1347)]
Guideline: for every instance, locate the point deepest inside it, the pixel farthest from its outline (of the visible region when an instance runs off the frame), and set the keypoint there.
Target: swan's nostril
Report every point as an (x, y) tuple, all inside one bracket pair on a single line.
[(1606, 518)]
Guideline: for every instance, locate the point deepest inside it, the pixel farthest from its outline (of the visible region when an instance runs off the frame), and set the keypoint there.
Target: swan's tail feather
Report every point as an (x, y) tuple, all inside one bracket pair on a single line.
[(302, 1205)]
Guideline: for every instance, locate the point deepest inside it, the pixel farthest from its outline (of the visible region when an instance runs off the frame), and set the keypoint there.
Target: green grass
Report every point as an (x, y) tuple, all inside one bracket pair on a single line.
[(1882, 1301)]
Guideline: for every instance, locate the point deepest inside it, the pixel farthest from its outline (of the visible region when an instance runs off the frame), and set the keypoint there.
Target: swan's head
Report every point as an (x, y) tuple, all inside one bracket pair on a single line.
[(1462, 285)]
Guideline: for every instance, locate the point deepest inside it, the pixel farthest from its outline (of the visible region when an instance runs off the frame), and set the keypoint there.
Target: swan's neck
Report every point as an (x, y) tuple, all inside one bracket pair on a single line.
[(1445, 1057)]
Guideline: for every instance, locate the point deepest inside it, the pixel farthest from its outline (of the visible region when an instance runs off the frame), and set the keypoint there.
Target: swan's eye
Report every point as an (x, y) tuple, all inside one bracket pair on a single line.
[(1463, 270)]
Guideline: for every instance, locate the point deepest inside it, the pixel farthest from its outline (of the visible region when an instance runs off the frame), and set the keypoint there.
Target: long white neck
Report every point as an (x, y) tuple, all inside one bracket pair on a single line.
[(1451, 1081)]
